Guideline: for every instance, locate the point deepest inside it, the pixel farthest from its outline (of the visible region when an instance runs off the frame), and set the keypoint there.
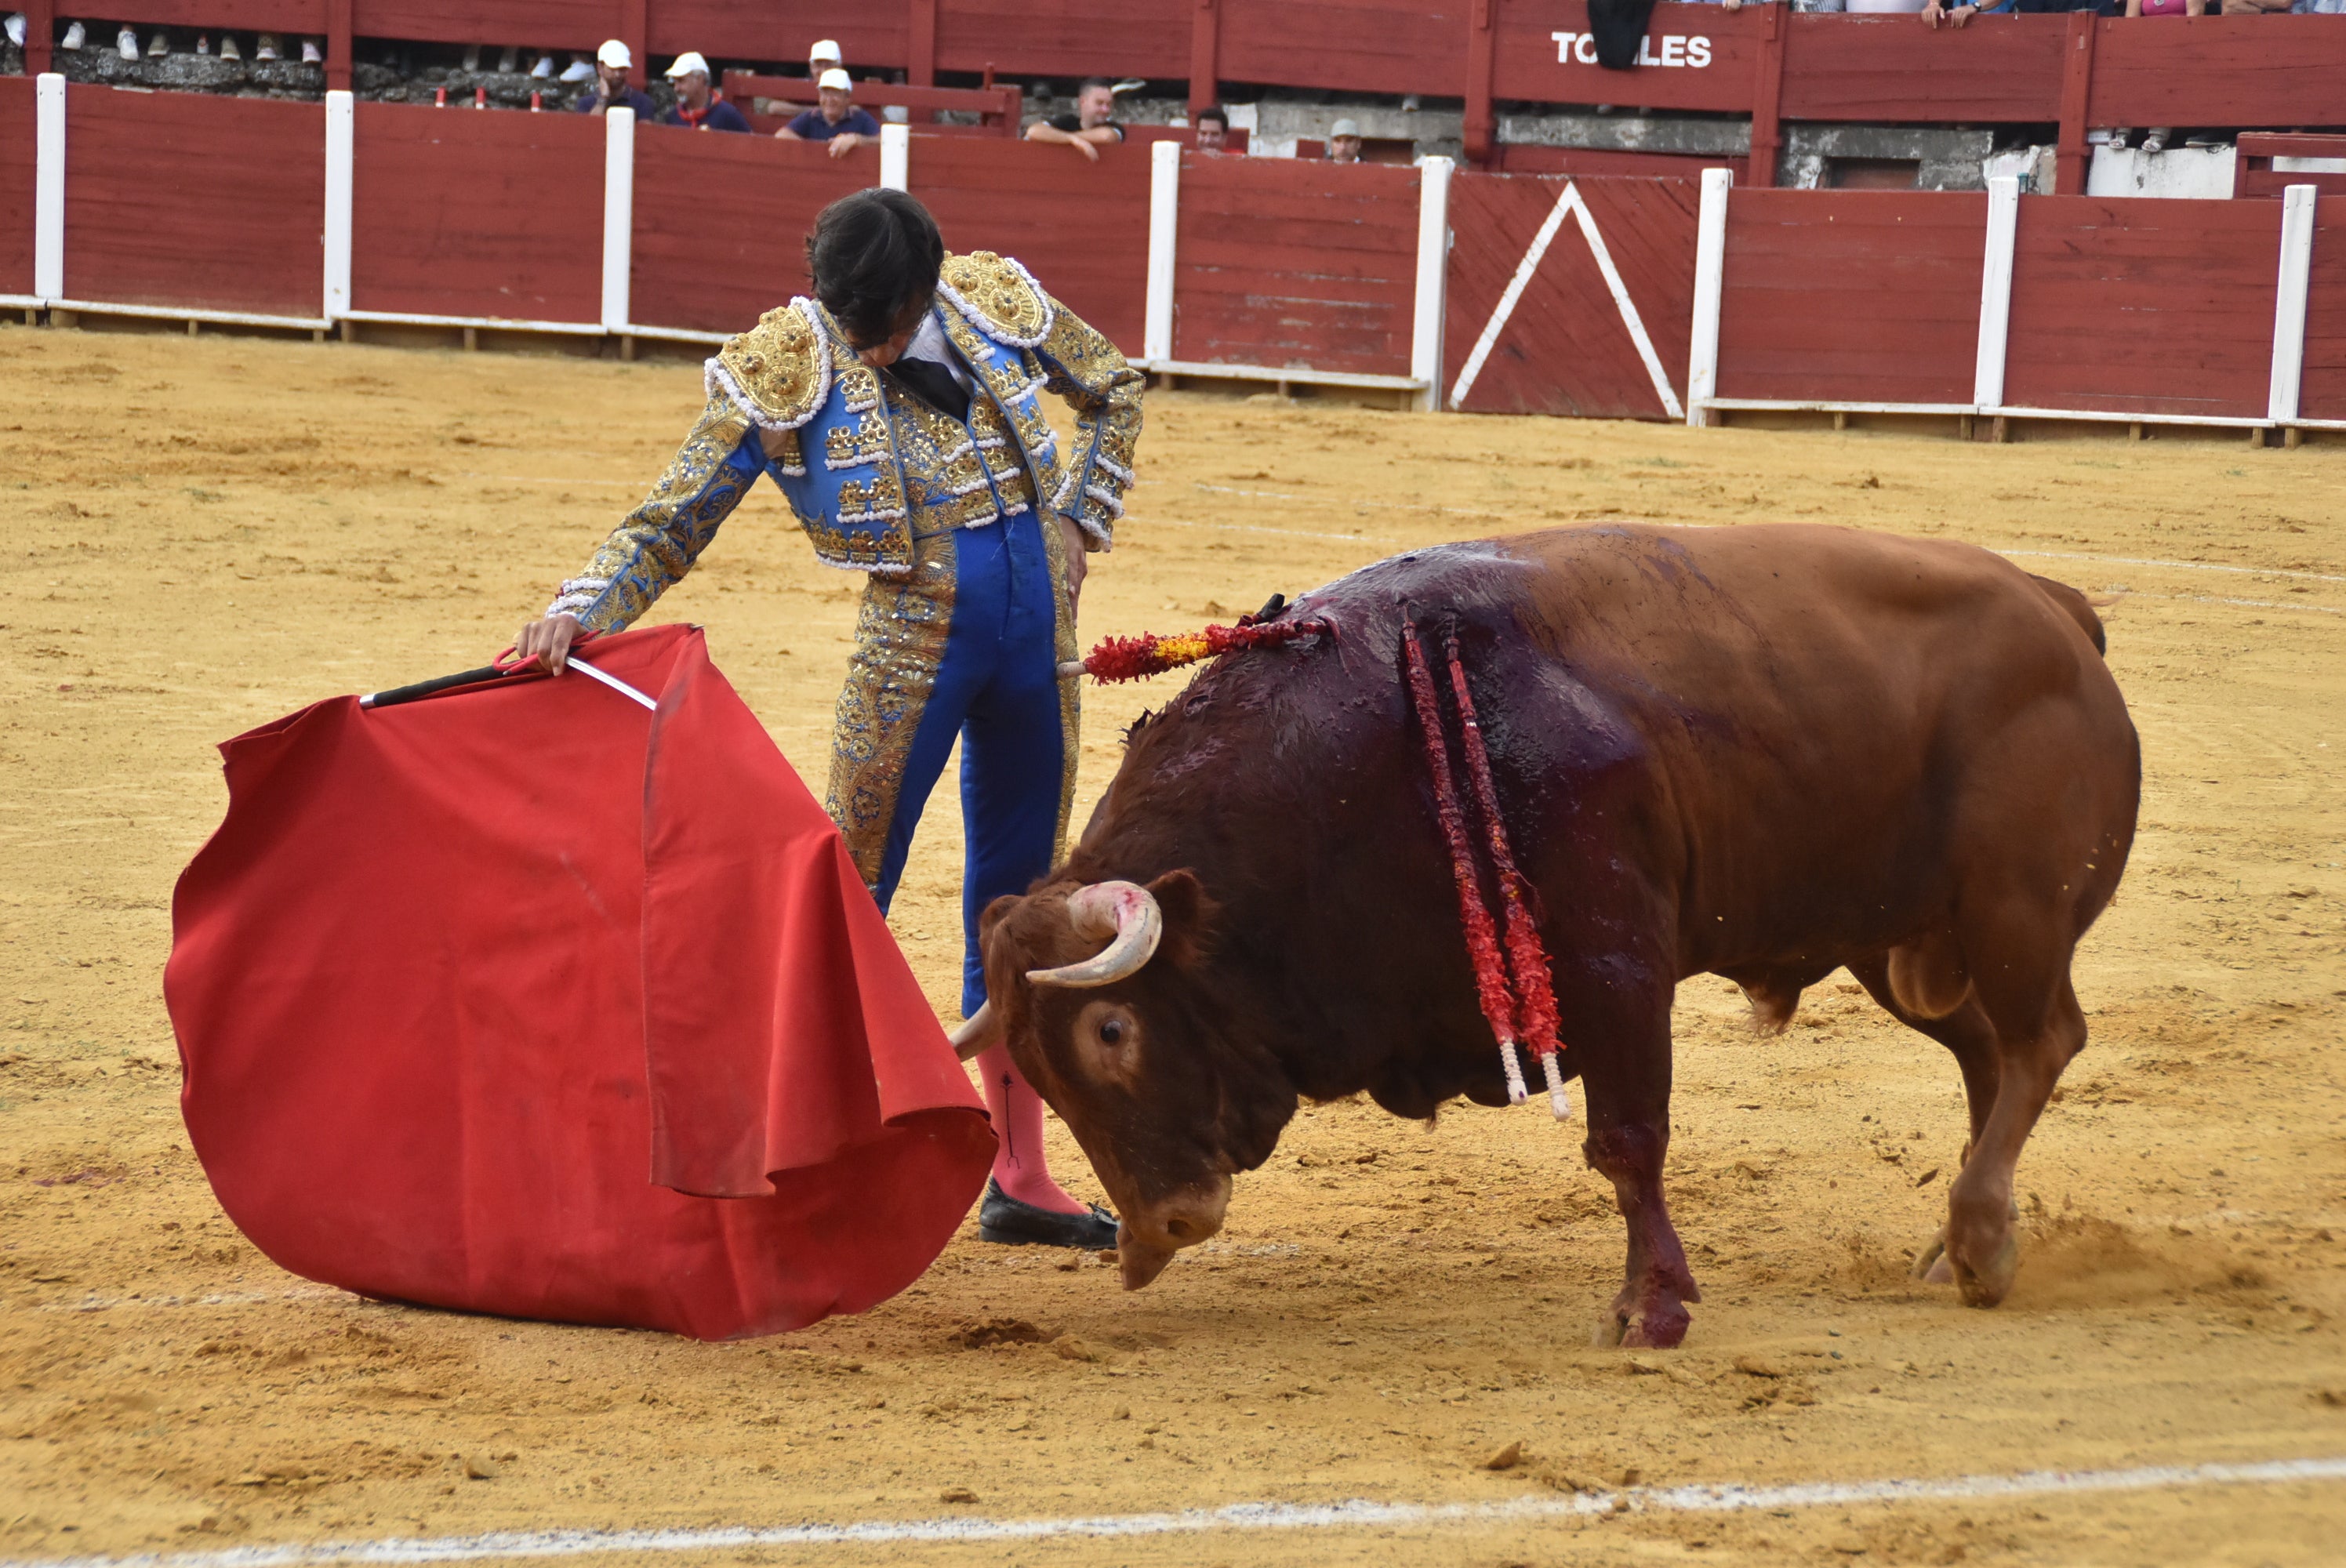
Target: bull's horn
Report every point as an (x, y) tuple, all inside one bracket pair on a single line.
[(978, 1030), (1126, 911)]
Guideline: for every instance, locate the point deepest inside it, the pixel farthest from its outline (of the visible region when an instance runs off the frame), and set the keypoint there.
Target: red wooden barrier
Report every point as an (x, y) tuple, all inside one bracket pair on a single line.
[(1852, 295), (2220, 70), (873, 34), (1148, 38), (537, 24), (718, 265), (1524, 159), (2142, 306), (1892, 69), (1720, 74), (1081, 228), (487, 215), (1356, 45), (2253, 173), (178, 199), (1566, 347), (2323, 393), (16, 174), (297, 16), (1284, 263)]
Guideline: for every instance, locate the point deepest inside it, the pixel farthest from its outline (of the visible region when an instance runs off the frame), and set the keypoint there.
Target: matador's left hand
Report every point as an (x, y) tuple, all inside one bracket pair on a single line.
[(1077, 543)]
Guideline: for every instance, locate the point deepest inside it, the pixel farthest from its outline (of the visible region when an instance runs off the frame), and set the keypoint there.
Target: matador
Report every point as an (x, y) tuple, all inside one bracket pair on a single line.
[(897, 412)]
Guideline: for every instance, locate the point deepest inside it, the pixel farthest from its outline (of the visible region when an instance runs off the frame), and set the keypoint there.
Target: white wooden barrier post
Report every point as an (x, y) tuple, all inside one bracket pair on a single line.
[(1709, 279), (618, 216), (1996, 291), (2289, 309), (1164, 220), (1433, 276), (341, 151), (895, 158), (49, 187)]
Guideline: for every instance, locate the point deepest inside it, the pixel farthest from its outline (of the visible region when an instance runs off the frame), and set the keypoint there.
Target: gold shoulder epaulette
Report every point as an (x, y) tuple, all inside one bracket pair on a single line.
[(778, 371), (998, 296)]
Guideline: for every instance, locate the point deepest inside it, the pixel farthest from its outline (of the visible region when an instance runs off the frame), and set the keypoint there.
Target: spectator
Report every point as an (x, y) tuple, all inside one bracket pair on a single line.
[(834, 119), (1344, 141), (613, 61), (1213, 130), (697, 105), (1955, 13), (824, 56), (1090, 128)]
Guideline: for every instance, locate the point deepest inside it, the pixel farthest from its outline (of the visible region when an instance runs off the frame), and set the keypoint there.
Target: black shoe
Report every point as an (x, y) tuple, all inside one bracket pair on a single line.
[(1003, 1219)]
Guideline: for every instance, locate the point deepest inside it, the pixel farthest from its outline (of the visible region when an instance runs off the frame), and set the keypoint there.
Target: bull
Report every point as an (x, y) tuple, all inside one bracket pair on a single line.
[(1764, 753)]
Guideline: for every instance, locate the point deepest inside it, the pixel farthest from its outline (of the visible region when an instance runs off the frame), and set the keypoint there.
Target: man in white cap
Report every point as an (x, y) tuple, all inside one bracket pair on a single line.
[(612, 90), (1344, 141), (824, 56), (697, 106), (834, 119)]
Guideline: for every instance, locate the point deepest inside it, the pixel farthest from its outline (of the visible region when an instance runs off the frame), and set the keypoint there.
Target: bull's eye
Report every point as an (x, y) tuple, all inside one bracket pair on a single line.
[(1111, 1031)]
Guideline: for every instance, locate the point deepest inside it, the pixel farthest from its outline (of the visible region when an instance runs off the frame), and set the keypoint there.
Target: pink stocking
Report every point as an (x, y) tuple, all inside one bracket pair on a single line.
[(1019, 1168)]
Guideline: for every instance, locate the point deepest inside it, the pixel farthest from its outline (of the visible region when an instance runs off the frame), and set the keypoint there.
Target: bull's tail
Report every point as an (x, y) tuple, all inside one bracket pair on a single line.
[(2080, 608)]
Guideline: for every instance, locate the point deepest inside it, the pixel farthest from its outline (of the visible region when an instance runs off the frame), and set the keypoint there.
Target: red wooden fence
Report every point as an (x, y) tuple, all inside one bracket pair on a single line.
[(720, 222), (1283, 263), (1567, 347), (1080, 227), (462, 214), (2324, 393), (199, 203), (16, 175), (1851, 296), (2143, 305)]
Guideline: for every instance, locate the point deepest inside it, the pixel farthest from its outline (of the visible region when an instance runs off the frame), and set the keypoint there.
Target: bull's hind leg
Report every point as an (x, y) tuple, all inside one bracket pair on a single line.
[(1969, 1038), (1625, 1073), (2033, 1044)]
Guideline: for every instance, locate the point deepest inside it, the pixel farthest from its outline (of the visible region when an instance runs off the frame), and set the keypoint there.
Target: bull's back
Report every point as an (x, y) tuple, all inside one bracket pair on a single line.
[(1830, 716)]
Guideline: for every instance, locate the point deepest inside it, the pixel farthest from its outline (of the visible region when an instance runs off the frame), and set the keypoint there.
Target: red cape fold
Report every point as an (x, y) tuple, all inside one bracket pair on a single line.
[(521, 1000)]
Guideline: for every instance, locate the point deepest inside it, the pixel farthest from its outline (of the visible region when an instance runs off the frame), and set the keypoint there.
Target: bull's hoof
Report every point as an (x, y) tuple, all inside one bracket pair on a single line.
[(1987, 1285), (1608, 1331), (1662, 1326), (1930, 1262)]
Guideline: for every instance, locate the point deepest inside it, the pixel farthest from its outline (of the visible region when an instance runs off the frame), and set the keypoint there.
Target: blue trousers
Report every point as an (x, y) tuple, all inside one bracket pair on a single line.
[(995, 687)]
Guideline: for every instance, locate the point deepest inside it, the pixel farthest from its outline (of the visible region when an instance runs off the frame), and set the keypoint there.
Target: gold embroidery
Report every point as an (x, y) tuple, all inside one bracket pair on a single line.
[(658, 541), (998, 292), (777, 370), (900, 640), (864, 444)]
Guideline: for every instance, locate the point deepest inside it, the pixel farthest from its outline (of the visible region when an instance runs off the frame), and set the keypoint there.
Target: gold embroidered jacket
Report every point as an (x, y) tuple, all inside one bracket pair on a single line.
[(791, 397)]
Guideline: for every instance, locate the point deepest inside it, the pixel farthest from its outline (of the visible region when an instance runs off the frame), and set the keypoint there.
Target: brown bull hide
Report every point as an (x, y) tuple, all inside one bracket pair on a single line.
[(1763, 753)]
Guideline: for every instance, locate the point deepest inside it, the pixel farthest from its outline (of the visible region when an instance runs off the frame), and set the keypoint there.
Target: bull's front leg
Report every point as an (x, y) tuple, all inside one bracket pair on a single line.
[(1651, 1309)]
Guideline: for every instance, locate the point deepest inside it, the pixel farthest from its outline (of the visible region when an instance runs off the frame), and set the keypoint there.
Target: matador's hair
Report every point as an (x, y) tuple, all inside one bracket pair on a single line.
[(874, 258)]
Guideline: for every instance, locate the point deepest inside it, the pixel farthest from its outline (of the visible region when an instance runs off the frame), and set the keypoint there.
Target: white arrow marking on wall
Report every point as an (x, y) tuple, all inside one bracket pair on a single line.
[(1568, 202)]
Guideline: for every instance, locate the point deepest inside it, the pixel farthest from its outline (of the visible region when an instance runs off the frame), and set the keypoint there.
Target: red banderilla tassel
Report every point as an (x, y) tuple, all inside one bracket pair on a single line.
[(1482, 939), (1528, 963)]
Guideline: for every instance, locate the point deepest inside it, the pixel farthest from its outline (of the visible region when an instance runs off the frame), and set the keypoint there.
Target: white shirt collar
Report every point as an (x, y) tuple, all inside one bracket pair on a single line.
[(928, 343)]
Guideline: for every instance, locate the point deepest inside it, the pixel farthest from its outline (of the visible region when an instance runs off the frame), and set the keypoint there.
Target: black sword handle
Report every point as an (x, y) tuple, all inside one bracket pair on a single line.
[(424, 689)]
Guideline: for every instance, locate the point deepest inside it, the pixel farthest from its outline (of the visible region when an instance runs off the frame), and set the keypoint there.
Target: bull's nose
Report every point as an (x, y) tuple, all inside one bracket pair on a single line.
[(1185, 1231)]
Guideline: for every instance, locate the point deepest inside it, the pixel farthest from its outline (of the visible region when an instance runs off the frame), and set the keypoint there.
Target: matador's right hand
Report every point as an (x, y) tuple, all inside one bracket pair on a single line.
[(548, 641)]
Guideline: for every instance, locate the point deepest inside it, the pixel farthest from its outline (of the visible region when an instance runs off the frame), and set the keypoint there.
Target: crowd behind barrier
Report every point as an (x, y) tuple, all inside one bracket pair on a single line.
[(1619, 296)]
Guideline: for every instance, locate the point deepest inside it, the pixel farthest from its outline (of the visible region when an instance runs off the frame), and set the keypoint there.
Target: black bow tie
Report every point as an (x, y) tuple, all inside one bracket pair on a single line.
[(932, 384)]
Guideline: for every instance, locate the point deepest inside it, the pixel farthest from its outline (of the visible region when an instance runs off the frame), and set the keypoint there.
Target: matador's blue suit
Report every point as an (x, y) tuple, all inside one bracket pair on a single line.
[(964, 619)]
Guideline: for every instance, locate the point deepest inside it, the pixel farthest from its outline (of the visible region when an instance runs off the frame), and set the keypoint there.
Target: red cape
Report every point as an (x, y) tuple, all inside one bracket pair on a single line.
[(521, 999)]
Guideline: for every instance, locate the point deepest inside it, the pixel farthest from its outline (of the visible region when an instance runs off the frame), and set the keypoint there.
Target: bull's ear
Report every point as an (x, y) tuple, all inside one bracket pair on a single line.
[(993, 915), (1189, 911)]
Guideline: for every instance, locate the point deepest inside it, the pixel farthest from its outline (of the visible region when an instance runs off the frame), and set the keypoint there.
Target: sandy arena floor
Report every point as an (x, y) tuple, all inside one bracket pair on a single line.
[(206, 534)]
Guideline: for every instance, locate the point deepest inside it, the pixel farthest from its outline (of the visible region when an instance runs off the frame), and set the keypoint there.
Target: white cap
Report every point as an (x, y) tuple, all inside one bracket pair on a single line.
[(615, 54), (1351, 127), (685, 64), (825, 49), (835, 78)]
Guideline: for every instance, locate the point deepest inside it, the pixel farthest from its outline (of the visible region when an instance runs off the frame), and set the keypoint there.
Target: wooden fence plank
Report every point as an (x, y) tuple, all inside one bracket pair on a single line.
[(498, 215), (729, 262), (16, 174), (1851, 296), (178, 198)]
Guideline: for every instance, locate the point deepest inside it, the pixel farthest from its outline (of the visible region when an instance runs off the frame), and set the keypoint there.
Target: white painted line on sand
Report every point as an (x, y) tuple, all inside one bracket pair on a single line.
[(214, 1298), (1357, 1513), (2246, 604), (2178, 566)]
